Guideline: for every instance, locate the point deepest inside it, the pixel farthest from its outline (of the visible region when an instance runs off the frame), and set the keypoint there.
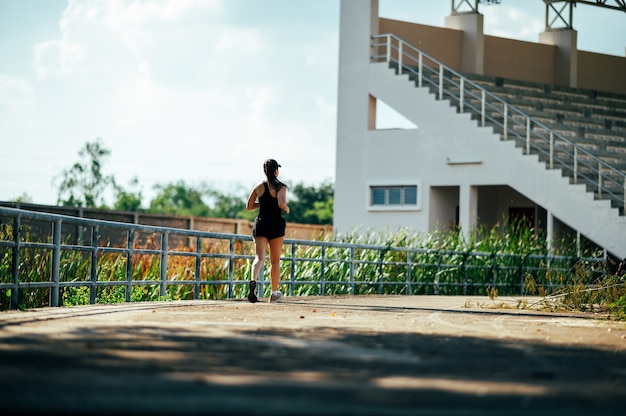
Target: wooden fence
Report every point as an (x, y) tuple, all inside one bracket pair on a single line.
[(205, 224)]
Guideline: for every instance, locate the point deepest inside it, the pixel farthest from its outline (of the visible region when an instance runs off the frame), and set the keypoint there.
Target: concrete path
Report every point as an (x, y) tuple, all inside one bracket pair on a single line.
[(348, 355)]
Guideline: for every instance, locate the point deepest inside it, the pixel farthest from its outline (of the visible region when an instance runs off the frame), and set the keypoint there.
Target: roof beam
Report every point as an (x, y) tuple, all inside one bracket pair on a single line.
[(560, 14)]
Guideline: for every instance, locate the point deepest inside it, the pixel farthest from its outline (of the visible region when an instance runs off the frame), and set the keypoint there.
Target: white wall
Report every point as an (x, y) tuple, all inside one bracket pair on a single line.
[(445, 150)]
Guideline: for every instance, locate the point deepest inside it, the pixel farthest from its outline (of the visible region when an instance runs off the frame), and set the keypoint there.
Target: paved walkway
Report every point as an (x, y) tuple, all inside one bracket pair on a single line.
[(365, 355)]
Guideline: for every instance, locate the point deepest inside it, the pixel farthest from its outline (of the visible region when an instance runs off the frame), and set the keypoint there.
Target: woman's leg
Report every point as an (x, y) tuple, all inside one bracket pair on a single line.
[(260, 247), (276, 246)]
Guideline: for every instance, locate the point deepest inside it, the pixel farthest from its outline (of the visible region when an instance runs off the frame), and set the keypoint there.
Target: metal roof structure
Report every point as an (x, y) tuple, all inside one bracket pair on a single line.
[(559, 13)]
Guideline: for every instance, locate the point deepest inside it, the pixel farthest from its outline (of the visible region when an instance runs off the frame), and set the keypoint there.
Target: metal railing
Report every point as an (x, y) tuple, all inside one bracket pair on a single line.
[(56, 253), (551, 147)]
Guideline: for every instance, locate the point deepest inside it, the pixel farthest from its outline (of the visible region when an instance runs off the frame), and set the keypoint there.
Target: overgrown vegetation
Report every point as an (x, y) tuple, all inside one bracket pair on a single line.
[(503, 260), (605, 294)]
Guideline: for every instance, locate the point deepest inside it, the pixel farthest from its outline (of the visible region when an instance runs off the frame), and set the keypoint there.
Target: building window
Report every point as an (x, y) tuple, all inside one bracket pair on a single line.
[(393, 196)]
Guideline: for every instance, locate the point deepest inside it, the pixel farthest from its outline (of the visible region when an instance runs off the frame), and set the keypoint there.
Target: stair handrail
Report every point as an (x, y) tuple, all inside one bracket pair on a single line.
[(400, 55)]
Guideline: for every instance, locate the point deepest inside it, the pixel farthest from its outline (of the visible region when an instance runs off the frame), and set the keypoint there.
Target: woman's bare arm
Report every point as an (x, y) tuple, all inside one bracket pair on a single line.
[(282, 199), (253, 198)]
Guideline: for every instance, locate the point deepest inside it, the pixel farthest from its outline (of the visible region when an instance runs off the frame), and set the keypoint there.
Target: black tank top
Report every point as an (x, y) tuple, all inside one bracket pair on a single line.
[(268, 205)]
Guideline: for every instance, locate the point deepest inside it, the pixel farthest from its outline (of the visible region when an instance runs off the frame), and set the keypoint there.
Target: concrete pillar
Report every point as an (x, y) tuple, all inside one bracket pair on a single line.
[(565, 55), (473, 43), (358, 20), (468, 208)]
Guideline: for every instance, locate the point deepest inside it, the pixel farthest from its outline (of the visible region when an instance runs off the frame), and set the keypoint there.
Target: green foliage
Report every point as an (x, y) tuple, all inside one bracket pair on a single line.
[(128, 200), (84, 184), (227, 206), (311, 205), (24, 197), (617, 306), (179, 199)]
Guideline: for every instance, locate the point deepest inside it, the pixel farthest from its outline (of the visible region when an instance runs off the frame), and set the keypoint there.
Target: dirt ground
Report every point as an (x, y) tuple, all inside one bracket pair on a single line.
[(348, 355)]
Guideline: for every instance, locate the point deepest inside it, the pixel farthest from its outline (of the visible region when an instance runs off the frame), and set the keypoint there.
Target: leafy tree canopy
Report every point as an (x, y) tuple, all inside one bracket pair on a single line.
[(310, 204), (179, 199), (84, 184), (128, 200)]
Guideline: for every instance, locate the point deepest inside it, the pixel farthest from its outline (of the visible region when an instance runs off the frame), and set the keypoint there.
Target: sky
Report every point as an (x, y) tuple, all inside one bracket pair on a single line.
[(199, 91)]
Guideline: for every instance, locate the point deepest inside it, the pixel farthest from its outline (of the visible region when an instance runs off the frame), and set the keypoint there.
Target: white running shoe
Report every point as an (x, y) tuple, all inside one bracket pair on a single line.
[(274, 296)]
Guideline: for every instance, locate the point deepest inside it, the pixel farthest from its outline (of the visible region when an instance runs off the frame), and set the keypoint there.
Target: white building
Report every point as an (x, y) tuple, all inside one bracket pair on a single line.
[(450, 170)]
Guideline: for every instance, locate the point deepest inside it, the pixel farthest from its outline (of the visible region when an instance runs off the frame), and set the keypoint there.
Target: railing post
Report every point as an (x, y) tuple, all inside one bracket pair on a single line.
[(56, 262), (379, 279), (15, 261), (231, 266), (196, 286), (93, 290), (436, 281), (292, 269), (462, 88), (399, 72), (388, 49), (130, 243), (494, 271), (322, 276), (352, 269), (506, 122), (551, 149), (575, 164), (482, 107), (464, 268), (599, 179), (521, 275), (528, 135), (164, 248), (440, 82), (420, 70), (408, 272)]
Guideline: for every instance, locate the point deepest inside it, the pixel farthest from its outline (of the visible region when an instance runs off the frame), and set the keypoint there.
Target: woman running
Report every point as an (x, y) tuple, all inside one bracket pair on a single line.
[(270, 197)]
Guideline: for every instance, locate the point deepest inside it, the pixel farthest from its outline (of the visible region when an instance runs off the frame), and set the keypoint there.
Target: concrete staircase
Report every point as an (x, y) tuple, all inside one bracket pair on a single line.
[(600, 220), (592, 120)]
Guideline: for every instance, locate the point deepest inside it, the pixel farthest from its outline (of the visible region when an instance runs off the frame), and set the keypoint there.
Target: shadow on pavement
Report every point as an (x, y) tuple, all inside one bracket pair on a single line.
[(146, 369)]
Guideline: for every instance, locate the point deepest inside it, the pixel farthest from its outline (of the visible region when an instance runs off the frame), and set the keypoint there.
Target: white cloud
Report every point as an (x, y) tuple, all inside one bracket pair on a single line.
[(257, 119), (11, 87), (245, 40), (177, 91), (16, 97), (510, 22), (56, 58)]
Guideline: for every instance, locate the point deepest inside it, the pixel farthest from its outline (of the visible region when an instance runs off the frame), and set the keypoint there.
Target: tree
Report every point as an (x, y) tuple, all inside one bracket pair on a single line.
[(322, 212), (226, 206), (127, 200), (178, 199), (26, 198), (84, 184), (312, 205)]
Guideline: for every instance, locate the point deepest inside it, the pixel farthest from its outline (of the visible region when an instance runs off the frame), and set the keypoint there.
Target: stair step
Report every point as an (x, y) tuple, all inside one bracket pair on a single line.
[(594, 122)]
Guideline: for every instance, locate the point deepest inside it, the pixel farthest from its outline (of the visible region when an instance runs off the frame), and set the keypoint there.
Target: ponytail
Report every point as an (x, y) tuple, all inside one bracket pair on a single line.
[(269, 167)]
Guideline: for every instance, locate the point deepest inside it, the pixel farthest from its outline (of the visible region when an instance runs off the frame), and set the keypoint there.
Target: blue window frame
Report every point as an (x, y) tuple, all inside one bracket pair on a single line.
[(393, 195)]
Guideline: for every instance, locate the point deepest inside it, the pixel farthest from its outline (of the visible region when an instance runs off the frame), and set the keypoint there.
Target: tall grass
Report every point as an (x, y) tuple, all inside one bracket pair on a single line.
[(444, 262), (506, 259)]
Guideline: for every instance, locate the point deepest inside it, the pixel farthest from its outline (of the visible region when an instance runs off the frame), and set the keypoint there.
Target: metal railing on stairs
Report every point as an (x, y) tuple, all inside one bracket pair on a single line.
[(512, 123)]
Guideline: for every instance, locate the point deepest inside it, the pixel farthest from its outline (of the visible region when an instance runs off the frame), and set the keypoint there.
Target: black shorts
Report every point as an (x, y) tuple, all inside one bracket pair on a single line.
[(269, 228)]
